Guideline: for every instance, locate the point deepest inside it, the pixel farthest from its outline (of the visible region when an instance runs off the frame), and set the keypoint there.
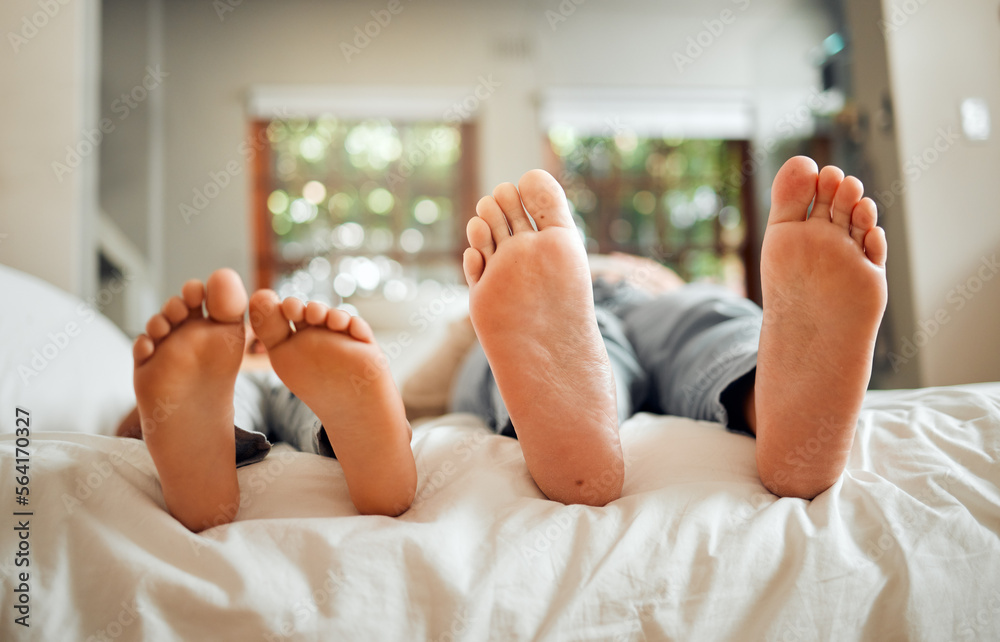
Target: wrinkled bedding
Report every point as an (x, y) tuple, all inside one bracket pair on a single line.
[(904, 546)]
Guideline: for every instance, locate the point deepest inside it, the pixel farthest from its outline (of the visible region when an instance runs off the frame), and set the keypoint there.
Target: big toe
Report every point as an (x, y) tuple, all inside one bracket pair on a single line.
[(268, 322), (225, 296), (793, 190), (544, 199)]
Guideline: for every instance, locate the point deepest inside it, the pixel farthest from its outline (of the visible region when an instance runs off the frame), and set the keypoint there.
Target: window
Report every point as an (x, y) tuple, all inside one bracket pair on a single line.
[(671, 200), (351, 208)]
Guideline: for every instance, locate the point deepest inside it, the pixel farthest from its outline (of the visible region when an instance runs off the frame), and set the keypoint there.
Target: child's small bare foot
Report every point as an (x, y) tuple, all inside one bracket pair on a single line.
[(332, 363), (185, 369), (532, 305), (824, 287)]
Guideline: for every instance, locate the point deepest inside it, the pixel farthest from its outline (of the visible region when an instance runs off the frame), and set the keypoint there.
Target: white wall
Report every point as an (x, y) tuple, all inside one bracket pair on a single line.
[(213, 60), (939, 55), (879, 170), (47, 225), (124, 169)]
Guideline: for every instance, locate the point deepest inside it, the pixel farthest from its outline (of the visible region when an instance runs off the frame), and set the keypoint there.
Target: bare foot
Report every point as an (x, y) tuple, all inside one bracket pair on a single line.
[(332, 363), (185, 369), (532, 305), (824, 288)]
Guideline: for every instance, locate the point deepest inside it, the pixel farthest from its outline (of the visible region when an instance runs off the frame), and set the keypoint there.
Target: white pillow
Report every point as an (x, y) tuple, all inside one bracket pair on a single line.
[(60, 359)]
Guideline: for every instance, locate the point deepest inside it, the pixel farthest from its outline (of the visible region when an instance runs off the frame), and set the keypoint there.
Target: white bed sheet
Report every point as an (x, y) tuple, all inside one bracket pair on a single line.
[(904, 547)]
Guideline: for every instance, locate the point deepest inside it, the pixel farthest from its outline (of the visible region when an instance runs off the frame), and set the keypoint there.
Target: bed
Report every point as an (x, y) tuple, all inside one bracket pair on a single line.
[(904, 547)]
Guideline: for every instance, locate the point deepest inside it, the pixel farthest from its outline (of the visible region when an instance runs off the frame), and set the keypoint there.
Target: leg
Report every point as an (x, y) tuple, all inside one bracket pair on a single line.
[(332, 363), (130, 426), (250, 420), (475, 390), (824, 287), (532, 306), (185, 372), (698, 345)]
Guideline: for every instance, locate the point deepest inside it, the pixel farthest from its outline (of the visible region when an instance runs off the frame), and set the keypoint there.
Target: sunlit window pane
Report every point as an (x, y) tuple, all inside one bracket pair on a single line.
[(362, 208), (663, 198)]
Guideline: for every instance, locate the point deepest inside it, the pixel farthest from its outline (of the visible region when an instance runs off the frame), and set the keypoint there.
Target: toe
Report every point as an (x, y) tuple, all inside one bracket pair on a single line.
[(863, 218), (848, 195), (830, 178), (480, 236), (793, 190), (267, 319), (360, 330), (225, 296), (509, 201), (175, 310), (294, 309), (875, 246), (193, 294), (338, 320), (157, 327), (545, 200), (490, 212), (473, 265), (316, 313), (142, 350)]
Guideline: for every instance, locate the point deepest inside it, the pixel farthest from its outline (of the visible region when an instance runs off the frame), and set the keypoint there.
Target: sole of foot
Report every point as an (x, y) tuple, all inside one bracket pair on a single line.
[(532, 306), (331, 362), (824, 294), (185, 370)]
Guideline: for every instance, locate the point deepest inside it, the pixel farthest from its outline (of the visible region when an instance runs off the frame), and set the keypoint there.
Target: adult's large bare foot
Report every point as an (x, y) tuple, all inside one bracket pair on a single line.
[(824, 287), (332, 363), (185, 369), (532, 306)]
